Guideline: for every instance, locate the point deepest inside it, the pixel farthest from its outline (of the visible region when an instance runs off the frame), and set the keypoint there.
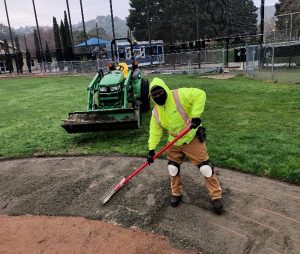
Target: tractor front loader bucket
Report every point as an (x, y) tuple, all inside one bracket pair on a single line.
[(91, 121)]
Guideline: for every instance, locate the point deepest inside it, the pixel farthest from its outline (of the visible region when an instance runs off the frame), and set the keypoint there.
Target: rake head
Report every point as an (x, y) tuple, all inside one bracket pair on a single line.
[(110, 192)]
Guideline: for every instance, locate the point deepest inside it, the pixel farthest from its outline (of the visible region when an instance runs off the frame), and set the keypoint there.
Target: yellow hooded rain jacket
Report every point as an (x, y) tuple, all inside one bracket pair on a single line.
[(193, 102)]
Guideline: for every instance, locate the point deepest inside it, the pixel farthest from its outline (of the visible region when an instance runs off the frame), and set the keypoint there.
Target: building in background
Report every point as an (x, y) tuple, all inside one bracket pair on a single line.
[(3, 59)]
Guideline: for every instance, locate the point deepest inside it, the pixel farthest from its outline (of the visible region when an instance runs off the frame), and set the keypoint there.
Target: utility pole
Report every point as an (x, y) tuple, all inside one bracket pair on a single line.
[(70, 23), (83, 24), (11, 38), (39, 36)]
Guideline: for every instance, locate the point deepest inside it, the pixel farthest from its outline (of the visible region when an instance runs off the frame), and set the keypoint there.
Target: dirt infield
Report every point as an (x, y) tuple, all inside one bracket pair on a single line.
[(41, 234), (262, 215)]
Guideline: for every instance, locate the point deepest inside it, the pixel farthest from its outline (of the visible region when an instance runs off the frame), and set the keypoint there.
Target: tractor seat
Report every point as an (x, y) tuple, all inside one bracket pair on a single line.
[(124, 68)]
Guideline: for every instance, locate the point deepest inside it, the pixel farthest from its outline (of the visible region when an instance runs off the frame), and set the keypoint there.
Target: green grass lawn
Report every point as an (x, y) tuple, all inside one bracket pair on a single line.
[(252, 126)]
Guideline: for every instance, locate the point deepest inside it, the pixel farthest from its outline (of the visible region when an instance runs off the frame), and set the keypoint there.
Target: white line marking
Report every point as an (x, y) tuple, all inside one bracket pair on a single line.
[(279, 215), (256, 222), (232, 231)]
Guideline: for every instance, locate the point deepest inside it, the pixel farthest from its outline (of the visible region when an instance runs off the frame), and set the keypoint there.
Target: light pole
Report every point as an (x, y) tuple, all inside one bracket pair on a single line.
[(197, 17), (11, 38), (83, 24), (70, 23), (112, 19), (149, 31), (262, 21), (262, 26), (98, 37), (114, 36), (39, 36)]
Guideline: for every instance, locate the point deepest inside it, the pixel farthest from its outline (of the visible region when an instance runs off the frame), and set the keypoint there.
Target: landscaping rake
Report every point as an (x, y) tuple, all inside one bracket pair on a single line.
[(109, 193)]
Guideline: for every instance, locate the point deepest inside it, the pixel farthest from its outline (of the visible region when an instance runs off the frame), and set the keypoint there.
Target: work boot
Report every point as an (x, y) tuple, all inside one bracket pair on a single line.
[(175, 200), (218, 206)]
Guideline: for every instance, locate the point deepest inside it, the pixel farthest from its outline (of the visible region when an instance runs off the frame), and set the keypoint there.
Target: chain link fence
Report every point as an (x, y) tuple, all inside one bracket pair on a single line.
[(71, 67), (189, 62), (282, 28), (205, 61), (274, 62)]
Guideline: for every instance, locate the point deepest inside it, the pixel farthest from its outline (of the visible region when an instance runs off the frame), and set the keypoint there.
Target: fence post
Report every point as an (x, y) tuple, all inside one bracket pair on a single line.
[(189, 63), (253, 61), (273, 53), (291, 27), (223, 60)]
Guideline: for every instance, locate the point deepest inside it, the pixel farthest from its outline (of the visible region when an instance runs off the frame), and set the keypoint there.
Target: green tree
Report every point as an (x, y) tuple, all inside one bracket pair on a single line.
[(138, 20), (58, 49), (288, 23), (185, 20), (242, 17), (37, 47), (19, 55)]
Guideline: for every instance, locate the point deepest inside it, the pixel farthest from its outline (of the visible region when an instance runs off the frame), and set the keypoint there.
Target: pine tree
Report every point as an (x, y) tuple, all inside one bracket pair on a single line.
[(37, 47), (63, 37), (243, 17), (19, 55), (58, 49), (69, 53), (47, 53), (28, 59)]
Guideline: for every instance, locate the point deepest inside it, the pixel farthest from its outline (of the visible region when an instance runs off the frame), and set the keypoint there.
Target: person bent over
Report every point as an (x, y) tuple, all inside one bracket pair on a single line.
[(173, 111)]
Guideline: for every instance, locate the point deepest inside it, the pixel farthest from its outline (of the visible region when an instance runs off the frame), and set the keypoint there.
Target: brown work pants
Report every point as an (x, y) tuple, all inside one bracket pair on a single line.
[(197, 153)]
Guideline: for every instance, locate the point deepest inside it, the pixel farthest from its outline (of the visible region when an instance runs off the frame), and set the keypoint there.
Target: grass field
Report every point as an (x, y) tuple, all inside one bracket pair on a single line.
[(252, 126), (280, 75)]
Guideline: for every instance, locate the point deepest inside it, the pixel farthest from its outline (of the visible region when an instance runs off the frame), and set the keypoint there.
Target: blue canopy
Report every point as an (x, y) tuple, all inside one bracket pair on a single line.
[(93, 42)]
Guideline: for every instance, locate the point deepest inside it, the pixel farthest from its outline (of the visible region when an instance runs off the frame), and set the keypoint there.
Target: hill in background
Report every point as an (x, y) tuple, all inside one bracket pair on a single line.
[(105, 22), (90, 25)]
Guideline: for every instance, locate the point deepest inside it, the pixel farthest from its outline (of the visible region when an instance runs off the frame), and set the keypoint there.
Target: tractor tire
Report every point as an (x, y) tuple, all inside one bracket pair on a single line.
[(145, 100)]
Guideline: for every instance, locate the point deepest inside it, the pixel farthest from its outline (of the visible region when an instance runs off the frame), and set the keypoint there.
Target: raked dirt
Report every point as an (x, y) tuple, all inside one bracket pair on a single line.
[(261, 215)]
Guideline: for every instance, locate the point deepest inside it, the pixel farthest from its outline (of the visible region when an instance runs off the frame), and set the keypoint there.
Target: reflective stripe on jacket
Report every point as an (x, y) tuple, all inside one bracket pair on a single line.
[(181, 106)]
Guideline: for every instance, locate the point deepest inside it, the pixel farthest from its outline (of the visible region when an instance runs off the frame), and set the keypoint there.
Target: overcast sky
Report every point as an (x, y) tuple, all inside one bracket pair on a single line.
[(21, 11)]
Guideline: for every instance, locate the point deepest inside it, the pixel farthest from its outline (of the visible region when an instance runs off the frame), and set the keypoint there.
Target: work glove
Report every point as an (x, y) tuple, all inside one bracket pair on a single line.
[(150, 155), (195, 123)]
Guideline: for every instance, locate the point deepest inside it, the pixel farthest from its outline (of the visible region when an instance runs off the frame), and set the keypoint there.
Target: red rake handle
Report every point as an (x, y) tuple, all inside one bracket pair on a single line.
[(134, 173)]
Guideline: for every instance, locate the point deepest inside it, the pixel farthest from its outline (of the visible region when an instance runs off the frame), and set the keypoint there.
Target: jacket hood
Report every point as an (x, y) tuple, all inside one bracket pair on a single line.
[(159, 82)]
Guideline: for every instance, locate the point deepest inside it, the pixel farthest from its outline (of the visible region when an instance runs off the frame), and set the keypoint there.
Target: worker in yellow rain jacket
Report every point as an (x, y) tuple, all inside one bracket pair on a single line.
[(173, 111)]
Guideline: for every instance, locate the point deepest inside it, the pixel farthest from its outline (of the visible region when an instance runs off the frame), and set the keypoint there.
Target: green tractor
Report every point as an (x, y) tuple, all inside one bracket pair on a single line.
[(115, 99)]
